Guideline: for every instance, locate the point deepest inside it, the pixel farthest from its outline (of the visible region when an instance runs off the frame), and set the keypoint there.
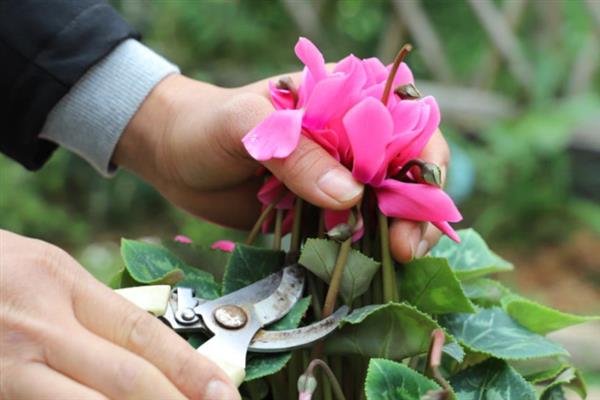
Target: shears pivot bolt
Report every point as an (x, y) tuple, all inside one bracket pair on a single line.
[(231, 316)]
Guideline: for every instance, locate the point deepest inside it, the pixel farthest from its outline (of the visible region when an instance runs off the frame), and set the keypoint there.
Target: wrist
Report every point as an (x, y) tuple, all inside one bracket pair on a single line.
[(140, 148)]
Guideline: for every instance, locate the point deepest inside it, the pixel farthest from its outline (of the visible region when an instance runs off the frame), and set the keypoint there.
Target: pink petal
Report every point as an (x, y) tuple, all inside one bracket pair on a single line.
[(447, 229), (335, 217), (324, 102), (182, 239), (327, 139), (310, 55), (369, 128), (432, 122), (406, 115), (376, 71), (224, 245), (416, 202), (272, 190), (281, 99), (306, 87), (276, 137), (403, 76)]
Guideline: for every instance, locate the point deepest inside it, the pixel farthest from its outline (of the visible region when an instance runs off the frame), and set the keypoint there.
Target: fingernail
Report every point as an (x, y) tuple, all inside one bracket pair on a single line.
[(339, 184), (422, 248), (219, 390)]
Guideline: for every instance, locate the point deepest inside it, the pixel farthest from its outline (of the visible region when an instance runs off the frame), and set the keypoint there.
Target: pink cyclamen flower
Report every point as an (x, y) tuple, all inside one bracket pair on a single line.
[(224, 245), (342, 111), (182, 239)]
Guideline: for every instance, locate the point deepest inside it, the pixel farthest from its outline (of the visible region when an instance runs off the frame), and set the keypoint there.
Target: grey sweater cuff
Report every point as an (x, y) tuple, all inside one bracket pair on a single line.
[(90, 119)]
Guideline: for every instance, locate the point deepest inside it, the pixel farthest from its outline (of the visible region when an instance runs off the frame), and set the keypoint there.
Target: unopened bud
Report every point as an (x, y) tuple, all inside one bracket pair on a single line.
[(408, 92), (340, 232), (432, 174), (307, 384)]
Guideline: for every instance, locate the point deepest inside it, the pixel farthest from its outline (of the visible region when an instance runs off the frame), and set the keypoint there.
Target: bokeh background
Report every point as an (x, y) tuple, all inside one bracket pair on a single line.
[(518, 82)]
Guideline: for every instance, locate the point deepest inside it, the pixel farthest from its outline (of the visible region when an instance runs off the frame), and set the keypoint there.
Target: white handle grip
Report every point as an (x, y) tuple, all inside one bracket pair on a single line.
[(153, 299), (222, 354)]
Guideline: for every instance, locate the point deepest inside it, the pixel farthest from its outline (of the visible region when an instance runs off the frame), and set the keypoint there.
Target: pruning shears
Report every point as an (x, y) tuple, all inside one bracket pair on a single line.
[(236, 320)]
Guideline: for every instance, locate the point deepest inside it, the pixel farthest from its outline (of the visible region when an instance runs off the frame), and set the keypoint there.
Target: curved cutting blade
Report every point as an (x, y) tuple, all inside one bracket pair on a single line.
[(276, 341), (283, 298)]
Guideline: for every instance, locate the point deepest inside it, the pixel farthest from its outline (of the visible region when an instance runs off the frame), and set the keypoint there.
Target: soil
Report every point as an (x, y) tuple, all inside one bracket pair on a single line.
[(564, 276)]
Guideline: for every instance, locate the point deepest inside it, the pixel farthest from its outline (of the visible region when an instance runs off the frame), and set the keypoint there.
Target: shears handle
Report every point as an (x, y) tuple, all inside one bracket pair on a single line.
[(155, 299)]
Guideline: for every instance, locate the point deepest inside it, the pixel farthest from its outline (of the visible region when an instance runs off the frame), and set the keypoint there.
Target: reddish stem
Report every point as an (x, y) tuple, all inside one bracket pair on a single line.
[(397, 61)]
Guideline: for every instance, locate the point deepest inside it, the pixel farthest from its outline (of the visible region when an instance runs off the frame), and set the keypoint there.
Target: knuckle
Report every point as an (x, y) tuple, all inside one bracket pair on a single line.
[(139, 330), (129, 378), (300, 162), (244, 111)]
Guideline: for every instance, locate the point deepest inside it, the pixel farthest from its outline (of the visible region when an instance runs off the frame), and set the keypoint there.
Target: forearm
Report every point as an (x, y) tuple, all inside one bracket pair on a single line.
[(91, 118), (42, 59)]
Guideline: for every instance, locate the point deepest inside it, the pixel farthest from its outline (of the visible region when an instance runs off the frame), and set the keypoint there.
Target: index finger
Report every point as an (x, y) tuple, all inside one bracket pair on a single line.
[(410, 239), (112, 317)]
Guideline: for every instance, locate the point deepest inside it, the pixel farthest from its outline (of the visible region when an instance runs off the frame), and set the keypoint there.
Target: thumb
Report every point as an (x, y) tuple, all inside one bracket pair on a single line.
[(312, 174)]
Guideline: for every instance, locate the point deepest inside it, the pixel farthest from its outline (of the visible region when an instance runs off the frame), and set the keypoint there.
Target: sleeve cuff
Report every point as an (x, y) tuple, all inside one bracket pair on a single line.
[(90, 119)]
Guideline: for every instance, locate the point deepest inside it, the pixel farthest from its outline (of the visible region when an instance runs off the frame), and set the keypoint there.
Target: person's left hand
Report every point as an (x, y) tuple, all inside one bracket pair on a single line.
[(186, 141)]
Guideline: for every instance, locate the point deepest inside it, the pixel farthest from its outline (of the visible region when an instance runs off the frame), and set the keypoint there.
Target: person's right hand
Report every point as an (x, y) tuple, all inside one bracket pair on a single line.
[(64, 335)]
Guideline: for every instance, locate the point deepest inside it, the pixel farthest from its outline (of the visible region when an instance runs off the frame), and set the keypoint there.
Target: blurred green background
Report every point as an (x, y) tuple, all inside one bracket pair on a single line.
[(518, 83)]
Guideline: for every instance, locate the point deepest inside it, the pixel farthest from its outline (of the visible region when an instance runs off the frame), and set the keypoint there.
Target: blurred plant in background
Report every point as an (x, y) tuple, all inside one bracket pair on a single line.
[(517, 82)]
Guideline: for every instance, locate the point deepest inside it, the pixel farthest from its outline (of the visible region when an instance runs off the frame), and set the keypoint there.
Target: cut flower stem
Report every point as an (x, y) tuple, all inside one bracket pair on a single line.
[(390, 289)]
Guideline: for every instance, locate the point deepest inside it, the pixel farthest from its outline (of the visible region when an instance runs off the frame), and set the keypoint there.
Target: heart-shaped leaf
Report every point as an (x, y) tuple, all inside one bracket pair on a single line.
[(249, 264), (493, 332), (471, 258), (391, 330), (429, 284), (150, 264), (492, 379), (319, 256), (389, 380), (538, 317), (570, 378), (484, 292), (540, 369)]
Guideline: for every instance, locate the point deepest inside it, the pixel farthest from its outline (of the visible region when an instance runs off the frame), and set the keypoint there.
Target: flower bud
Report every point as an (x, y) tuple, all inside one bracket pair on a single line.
[(431, 174), (307, 384), (340, 232), (408, 92)]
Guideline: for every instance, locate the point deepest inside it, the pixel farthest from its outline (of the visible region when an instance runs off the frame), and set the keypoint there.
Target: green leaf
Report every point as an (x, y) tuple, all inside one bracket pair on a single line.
[(249, 264), (540, 369), (429, 284), (389, 380), (202, 282), (150, 264), (492, 379), (570, 378), (455, 351), (391, 330), (202, 257), (484, 292), (493, 332), (319, 256), (538, 317), (554, 393), (262, 365), (471, 258)]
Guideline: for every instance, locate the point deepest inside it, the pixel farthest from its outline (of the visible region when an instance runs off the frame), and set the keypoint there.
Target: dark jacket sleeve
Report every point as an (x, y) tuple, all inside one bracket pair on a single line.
[(45, 47)]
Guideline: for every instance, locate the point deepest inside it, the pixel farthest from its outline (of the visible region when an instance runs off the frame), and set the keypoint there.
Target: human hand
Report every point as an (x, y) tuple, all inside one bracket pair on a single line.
[(65, 335), (186, 141)]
